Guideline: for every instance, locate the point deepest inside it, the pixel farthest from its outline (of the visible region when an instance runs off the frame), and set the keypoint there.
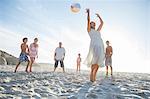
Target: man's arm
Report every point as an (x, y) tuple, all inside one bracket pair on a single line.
[(28, 49), (21, 46), (64, 53), (55, 56), (111, 51)]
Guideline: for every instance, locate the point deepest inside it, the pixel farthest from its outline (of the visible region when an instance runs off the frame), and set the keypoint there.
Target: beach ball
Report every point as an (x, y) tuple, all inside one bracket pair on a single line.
[(75, 7)]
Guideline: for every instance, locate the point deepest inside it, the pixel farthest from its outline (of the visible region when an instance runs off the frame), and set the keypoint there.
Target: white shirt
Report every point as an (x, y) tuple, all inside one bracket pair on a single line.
[(59, 53)]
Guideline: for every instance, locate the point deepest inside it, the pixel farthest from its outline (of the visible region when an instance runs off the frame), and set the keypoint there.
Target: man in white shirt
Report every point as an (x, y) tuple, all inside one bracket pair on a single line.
[(59, 56)]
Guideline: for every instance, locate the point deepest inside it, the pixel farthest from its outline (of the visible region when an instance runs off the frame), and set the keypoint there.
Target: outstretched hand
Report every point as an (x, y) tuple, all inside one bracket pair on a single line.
[(87, 10), (101, 22), (97, 15)]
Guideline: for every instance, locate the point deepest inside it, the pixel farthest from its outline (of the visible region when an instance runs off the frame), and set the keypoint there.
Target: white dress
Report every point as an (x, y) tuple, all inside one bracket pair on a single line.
[(96, 53)]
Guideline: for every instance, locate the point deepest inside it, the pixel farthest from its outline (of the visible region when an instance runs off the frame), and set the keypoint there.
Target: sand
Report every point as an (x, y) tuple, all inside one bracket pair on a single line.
[(46, 84)]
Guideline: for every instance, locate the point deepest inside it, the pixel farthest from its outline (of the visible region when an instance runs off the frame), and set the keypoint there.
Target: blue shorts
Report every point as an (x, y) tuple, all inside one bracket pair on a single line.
[(23, 57)]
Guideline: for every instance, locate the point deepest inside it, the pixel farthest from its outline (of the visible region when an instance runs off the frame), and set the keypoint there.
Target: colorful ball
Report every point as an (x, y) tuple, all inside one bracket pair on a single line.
[(75, 7)]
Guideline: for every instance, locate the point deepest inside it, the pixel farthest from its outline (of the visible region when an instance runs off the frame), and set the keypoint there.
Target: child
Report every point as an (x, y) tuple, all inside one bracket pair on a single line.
[(108, 61), (78, 62), (33, 53), (24, 54)]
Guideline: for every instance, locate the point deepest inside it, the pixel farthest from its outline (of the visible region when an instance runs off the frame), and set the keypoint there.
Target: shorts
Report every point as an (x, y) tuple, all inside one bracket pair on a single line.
[(23, 57), (108, 61), (61, 63)]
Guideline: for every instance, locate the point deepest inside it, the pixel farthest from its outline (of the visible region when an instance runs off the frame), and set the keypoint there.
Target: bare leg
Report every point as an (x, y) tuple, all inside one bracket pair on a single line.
[(91, 75), (95, 72), (63, 69), (54, 69), (17, 67), (31, 65), (106, 70), (55, 65), (27, 66), (111, 69), (62, 65), (79, 67)]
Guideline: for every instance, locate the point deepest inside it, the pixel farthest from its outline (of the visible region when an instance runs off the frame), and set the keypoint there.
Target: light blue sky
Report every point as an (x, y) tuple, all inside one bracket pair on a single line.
[(126, 25)]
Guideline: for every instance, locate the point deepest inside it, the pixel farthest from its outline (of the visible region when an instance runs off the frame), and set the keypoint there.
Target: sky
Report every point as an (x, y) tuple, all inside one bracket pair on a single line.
[(126, 26)]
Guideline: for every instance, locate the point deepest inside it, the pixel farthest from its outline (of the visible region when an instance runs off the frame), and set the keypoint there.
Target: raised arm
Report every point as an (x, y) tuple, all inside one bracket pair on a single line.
[(101, 23), (88, 19)]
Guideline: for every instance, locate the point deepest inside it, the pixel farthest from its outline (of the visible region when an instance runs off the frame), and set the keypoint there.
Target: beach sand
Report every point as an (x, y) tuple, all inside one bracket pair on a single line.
[(43, 83)]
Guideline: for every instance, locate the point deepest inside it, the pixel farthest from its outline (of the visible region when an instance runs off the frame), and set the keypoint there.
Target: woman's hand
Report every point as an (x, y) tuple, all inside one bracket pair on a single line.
[(97, 15), (87, 10), (101, 22)]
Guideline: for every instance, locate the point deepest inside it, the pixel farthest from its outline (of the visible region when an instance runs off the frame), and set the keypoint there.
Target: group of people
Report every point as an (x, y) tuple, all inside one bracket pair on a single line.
[(108, 59), (94, 59), (32, 51), (96, 54)]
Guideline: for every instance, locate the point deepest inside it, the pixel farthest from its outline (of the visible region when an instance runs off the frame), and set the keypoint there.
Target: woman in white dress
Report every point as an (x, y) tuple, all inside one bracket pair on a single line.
[(96, 55)]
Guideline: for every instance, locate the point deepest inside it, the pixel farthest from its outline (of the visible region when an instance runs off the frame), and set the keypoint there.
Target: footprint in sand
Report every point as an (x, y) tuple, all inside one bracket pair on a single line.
[(91, 96)]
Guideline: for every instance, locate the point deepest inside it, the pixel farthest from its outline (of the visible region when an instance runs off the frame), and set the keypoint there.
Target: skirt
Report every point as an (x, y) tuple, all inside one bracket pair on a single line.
[(95, 55)]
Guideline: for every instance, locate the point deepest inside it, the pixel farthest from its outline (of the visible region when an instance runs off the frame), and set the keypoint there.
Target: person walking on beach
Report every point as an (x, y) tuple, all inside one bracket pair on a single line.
[(59, 56), (96, 55), (108, 55), (33, 53), (78, 62), (24, 54)]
